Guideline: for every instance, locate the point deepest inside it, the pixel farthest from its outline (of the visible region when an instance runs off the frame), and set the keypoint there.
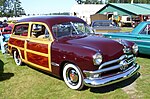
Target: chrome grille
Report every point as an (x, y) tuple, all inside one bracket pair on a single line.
[(117, 65), (127, 50), (113, 67)]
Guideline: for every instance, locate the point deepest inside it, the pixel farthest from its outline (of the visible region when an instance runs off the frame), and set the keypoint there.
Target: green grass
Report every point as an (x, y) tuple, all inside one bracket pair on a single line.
[(126, 29), (23, 82)]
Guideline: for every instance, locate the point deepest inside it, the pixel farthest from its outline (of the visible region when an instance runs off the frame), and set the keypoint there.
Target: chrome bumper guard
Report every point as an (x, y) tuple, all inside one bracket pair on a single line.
[(92, 81)]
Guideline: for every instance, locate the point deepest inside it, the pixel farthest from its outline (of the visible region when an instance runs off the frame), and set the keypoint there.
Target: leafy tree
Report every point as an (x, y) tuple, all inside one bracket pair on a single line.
[(79, 1), (89, 1), (2, 6), (18, 10), (1, 2), (11, 8)]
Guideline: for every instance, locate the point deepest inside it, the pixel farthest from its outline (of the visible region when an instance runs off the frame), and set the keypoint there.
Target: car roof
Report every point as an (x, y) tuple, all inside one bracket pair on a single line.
[(51, 20), (140, 27), (102, 21)]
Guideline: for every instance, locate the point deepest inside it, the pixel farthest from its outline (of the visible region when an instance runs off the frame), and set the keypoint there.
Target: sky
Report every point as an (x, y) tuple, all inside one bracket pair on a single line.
[(46, 6)]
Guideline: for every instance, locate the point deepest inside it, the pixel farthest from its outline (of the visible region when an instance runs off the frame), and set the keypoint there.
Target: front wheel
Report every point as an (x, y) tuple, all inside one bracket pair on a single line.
[(17, 58), (73, 77)]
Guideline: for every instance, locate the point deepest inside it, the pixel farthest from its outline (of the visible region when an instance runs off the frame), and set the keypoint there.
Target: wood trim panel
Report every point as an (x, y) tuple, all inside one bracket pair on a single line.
[(16, 42), (38, 59), (39, 47), (22, 54)]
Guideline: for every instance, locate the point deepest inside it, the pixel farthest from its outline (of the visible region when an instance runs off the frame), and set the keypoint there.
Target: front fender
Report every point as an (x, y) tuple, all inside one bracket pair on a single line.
[(126, 43), (80, 55)]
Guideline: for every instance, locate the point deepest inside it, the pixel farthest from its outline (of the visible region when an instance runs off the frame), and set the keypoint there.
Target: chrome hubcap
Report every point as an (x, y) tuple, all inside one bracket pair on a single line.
[(72, 76)]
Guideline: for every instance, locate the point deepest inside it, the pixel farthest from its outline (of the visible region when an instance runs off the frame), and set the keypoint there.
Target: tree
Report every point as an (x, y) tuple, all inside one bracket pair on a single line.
[(89, 1), (11, 8), (2, 6), (79, 1), (18, 10)]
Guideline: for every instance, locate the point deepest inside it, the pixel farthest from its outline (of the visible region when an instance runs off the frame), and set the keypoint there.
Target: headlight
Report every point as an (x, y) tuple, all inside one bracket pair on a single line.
[(135, 48), (97, 59)]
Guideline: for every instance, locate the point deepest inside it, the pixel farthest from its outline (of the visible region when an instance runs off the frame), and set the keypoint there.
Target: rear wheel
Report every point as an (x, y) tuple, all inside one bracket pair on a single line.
[(6, 48), (73, 77), (17, 58)]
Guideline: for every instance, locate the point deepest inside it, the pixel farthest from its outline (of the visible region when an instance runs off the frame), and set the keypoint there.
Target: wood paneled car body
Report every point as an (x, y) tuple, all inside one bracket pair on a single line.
[(67, 47)]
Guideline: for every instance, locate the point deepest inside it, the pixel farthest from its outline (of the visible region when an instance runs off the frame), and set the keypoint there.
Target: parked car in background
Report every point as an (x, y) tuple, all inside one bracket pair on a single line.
[(65, 46), (125, 21), (105, 26), (1, 24), (140, 35), (5, 32)]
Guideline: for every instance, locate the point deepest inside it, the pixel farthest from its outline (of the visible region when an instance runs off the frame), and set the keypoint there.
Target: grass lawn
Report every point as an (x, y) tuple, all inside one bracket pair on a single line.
[(23, 82), (126, 29)]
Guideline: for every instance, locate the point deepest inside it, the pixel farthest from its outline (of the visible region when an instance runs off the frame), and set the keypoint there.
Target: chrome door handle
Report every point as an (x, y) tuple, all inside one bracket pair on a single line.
[(138, 37), (27, 40)]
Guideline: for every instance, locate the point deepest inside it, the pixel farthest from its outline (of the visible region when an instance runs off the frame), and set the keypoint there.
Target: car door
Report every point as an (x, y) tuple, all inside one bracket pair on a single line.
[(143, 40), (18, 38), (38, 46)]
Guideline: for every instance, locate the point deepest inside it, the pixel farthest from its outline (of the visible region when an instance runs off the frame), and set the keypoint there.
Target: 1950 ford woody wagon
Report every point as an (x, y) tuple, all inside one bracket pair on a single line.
[(66, 47)]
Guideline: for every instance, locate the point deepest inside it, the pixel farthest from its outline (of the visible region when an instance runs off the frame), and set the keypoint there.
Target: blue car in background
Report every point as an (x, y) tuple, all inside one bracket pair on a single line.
[(140, 35)]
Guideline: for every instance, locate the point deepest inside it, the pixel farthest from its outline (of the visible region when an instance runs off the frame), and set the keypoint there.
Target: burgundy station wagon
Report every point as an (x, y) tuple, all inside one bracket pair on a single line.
[(67, 47)]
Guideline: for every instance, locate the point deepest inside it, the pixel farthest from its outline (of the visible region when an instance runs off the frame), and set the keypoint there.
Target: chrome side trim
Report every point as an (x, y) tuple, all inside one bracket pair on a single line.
[(54, 64)]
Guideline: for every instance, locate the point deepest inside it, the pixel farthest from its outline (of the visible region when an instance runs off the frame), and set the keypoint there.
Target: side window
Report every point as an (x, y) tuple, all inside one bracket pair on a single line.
[(21, 30), (146, 30), (39, 31)]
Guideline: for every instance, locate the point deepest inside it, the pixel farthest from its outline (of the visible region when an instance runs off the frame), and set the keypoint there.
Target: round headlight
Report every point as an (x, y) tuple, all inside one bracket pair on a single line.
[(135, 48), (97, 59)]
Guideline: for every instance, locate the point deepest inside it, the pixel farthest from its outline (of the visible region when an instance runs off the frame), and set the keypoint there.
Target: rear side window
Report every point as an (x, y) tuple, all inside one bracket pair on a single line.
[(21, 30), (39, 31), (146, 30)]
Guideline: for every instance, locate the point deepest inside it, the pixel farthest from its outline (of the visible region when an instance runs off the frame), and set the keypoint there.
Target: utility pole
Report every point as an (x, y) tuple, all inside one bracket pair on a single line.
[(15, 10), (132, 1)]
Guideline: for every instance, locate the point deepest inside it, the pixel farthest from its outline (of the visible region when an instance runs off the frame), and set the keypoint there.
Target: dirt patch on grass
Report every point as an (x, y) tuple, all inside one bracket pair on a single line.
[(131, 91)]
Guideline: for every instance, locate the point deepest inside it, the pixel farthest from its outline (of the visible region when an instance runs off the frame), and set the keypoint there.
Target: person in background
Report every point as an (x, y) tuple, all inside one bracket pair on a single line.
[(2, 43), (148, 18), (5, 23)]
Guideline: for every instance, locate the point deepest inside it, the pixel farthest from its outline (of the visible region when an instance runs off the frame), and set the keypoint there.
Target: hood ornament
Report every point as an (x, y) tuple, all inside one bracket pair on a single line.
[(124, 64)]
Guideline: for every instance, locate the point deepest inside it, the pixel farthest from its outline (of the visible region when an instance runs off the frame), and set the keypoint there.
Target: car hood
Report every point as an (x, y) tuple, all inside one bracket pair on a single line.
[(117, 34), (110, 49), (121, 35), (106, 27)]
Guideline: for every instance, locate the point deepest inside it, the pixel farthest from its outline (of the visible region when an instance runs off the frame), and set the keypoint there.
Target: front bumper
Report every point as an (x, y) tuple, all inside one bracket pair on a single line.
[(107, 80)]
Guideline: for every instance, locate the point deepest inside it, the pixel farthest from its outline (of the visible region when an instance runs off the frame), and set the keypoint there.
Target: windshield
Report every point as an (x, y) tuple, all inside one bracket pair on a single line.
[(71, 29)]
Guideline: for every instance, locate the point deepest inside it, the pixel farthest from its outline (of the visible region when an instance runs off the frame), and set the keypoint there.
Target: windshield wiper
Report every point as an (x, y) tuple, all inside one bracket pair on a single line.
[(74, 28)]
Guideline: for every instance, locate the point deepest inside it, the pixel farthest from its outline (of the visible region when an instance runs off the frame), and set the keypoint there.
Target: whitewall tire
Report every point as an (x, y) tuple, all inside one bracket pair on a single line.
[(73, 77), (17, 58), (6, 48)]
